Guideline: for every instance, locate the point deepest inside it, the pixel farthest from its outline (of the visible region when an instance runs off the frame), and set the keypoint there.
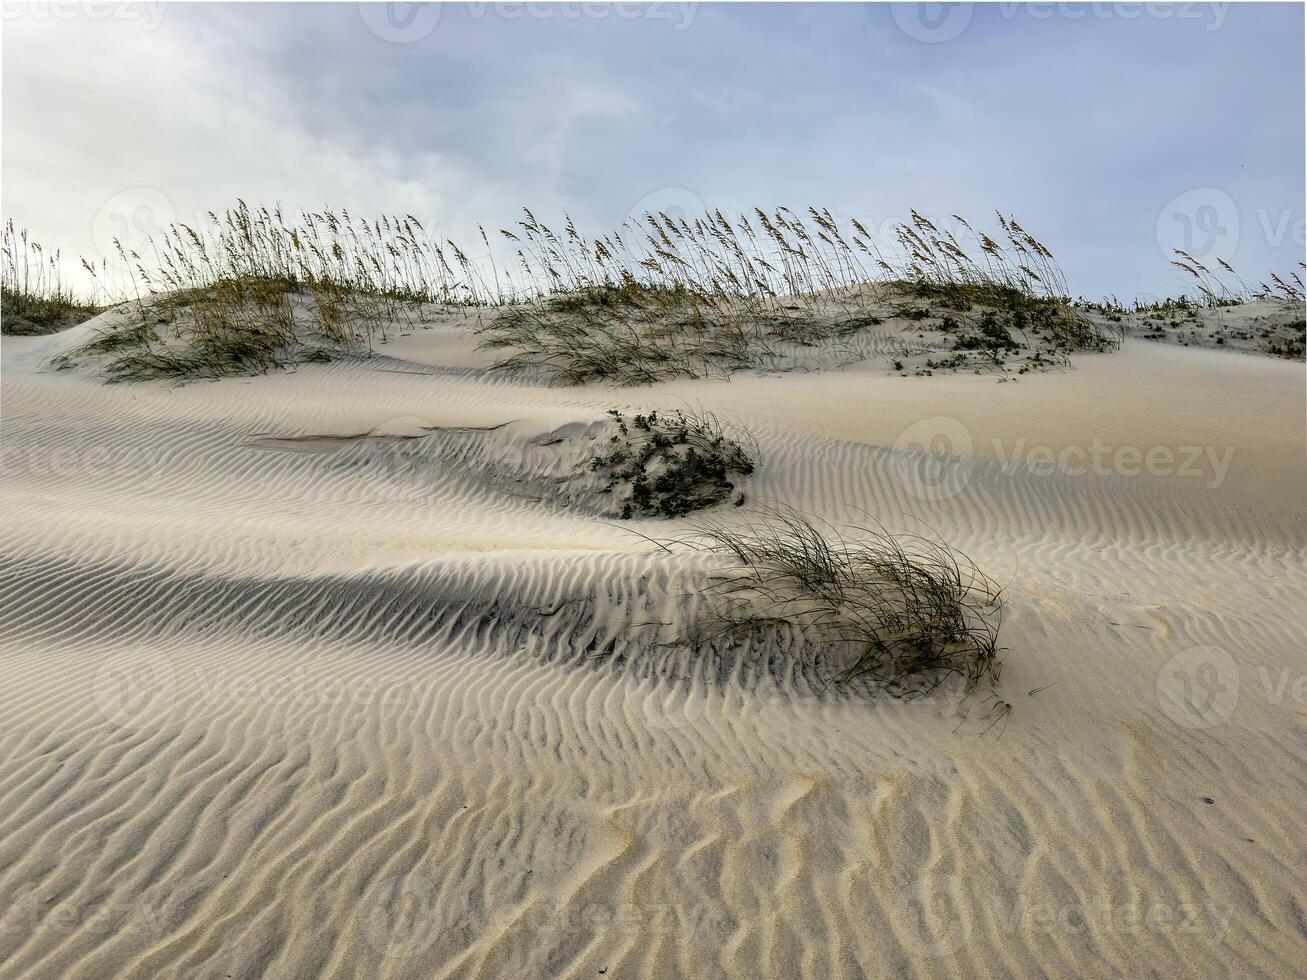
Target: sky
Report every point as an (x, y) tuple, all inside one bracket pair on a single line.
[(1114, 132)]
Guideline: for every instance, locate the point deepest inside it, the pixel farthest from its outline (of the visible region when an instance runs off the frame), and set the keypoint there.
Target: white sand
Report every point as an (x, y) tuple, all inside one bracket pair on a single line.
[(287, 707)]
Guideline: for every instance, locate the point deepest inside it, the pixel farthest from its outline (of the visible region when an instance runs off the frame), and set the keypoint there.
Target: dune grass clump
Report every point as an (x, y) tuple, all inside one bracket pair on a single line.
[(903, 612), (672, 465), (628, 334), (1205, 315), (1012, 287), (673, 298), (635, 333), (379, 266), (665, 298), (234, 327), (33, 297), (251, 290)]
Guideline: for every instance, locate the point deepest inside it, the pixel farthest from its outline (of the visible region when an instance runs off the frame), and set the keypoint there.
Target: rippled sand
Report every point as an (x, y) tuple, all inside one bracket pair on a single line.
[(300, 680)]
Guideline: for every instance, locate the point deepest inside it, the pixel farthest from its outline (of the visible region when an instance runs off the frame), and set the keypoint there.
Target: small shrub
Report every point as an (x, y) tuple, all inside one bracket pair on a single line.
[(912, 313), (1291, 346), (671, 465), (988, 333)]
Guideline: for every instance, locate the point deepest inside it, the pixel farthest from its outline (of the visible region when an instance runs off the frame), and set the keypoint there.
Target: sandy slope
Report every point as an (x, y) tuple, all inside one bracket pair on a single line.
[(296, 684)]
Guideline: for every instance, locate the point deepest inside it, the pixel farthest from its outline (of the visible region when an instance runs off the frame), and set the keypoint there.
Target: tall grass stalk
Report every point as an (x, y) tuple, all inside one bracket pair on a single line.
[(1225, 287), (33, 296), (675, 297), (661, 296)]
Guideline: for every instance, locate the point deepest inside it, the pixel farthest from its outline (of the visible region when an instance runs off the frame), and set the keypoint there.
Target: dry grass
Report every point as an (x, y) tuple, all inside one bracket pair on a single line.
[(252, 289), (904, 612), (1225, 287), (382, 263), (33, 298), (666, 298)]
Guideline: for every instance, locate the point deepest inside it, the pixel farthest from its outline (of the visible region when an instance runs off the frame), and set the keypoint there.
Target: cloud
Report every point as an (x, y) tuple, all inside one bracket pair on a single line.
[(113, 130), (1088, 128)]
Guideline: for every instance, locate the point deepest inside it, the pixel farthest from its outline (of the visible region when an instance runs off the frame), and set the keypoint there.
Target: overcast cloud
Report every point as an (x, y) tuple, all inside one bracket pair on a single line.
[(1114, 131)]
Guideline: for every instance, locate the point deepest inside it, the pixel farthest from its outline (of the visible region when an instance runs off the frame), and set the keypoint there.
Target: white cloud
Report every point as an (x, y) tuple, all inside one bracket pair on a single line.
[(110, 129)]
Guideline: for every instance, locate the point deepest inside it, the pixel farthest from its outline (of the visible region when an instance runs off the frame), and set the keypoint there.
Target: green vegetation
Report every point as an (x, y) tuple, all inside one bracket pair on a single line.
[(249, 292), (672, 465), (670, 298), (253, 289), (1292, 347)]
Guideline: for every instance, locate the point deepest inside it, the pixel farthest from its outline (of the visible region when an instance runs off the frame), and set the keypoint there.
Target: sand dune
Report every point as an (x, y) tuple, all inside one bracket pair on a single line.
[(301, 678)]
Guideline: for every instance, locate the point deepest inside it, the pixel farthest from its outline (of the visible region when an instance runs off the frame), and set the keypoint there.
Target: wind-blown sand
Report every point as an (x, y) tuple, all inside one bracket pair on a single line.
[(296, 683)]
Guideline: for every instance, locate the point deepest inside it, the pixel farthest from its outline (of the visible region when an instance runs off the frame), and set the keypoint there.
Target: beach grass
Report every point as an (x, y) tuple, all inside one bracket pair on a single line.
[(904, 612), (250, 289), (33, 296)]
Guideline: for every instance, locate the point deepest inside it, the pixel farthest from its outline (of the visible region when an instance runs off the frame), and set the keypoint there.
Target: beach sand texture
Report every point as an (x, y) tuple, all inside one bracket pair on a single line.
[(299, 680)]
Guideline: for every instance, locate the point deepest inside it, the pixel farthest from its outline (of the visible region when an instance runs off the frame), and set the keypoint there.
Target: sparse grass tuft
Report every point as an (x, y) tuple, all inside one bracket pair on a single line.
[(1225, 287), (904, 612)]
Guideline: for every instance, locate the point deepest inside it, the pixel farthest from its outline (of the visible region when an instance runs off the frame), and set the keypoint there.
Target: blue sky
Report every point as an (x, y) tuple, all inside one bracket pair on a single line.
[(1113, 131)]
